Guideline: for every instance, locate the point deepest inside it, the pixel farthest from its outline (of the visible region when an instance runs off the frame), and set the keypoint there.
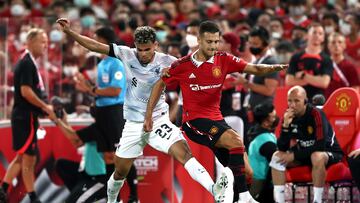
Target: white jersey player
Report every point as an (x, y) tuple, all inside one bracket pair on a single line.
[(143, 68)]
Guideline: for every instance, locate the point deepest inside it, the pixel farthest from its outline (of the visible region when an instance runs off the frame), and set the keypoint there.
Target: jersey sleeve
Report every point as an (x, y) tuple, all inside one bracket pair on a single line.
[(121, 52), (327, 66), (26, 75), (174, 73), (117, 78), (234, 64), (351, 75)]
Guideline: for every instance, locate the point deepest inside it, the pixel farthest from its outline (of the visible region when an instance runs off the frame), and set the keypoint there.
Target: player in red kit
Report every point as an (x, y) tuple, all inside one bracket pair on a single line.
[(200, 76)]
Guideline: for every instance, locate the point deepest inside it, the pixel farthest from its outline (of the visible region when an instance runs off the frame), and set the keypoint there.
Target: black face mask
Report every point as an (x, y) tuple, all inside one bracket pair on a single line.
[(255, 50), (299, 43), (275, 123), (121, 25)]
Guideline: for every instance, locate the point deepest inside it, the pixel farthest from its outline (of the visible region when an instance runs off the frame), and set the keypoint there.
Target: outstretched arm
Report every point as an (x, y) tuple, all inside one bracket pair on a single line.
[(153, 100), (84, 41), (263, 69)]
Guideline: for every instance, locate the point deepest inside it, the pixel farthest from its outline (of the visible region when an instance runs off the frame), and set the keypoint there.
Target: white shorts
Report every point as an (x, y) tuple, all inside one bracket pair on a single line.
[(134, 139)]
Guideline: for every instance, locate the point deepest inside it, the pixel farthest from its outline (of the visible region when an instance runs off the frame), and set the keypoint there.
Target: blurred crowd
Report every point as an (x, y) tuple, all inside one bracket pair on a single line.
[(176, 23)]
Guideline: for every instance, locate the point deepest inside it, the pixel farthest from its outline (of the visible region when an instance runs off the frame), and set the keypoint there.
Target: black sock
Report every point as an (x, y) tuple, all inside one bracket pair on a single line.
[(132, 182), (5, 186), (32, 196), (237, 166)]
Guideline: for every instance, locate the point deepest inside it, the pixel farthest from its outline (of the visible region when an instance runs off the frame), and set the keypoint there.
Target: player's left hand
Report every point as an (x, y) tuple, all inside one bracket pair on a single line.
[(280, 67), (165, 72), (148, 124)]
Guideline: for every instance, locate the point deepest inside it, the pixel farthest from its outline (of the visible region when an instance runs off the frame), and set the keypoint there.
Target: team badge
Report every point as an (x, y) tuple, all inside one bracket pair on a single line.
[(310, 129), (216, 71), (214, 130), (118, 75), (343, 102)]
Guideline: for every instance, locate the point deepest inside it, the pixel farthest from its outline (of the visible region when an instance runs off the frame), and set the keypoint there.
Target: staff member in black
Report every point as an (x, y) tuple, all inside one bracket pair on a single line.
[(316, 144), (28, 105)]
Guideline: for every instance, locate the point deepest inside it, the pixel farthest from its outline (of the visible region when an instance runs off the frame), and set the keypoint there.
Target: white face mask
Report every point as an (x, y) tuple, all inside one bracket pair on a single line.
[(55, 36), (345, 28), (22, 37), (276, 35), (17, 10), (191, 40), (329, 29)]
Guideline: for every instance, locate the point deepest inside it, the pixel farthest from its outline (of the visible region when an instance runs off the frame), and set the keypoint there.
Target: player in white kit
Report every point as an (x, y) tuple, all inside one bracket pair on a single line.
[(143, 66)]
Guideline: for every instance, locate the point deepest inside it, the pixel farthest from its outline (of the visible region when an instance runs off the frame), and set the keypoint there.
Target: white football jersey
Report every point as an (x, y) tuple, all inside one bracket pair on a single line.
[(140, 80)]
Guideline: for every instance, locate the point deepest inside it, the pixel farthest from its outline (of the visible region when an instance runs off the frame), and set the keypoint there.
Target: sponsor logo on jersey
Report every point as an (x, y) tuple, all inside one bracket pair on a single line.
[(196, 87)]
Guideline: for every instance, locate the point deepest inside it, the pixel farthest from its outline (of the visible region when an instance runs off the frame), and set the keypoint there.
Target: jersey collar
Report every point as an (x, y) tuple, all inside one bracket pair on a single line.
[(199, 63)]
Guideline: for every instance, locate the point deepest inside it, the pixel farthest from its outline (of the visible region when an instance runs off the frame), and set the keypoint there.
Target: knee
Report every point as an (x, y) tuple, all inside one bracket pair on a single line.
[(318, 159), (274, 164)]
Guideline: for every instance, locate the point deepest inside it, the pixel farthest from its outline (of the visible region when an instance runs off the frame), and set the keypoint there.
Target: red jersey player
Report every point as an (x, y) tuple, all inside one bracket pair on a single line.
[(201, 76)]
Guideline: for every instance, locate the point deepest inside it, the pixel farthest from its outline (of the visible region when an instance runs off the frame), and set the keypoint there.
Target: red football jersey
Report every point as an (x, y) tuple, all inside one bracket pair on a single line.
[(201, 83)]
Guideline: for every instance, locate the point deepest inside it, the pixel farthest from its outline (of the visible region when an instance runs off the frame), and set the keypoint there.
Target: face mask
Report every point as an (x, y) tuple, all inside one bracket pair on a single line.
[(275, 123), (296, 10), (276, 35), (22, 37), (55, 36), (17, 10), (191, 40), (299, 43), (82, 3), (88, 21), (70, 70), (121, 25), (329, 29), (255, 50), (345, 28), (161, 35)]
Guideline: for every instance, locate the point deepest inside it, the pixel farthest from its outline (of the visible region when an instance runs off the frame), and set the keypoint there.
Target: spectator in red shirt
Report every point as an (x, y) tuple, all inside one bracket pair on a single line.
[(201, 76), (344, 74), (297, 16), (351, 29)]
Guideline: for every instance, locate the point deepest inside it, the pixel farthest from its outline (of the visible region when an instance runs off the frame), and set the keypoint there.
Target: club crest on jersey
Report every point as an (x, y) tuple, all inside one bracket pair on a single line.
[(216, 71), (310, 129)]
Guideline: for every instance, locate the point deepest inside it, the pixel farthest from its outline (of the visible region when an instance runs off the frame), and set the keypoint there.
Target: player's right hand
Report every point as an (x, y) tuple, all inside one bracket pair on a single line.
[(165, 72), (64, 23), (148, 124), (288, 117)]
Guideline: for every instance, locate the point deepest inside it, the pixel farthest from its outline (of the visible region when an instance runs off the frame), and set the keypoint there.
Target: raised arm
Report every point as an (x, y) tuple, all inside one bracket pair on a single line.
[(84, 41), (263, 69), (153, 100)]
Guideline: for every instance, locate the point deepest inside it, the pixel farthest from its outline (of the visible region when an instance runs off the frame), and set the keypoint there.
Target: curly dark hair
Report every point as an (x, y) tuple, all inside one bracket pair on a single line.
[(144, 34)]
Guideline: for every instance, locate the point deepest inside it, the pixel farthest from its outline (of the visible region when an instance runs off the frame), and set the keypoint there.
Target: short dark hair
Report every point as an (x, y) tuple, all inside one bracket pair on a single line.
[(262, 33), (209, 26), (107, 34), (262, 111), (332, 16), (144, 35)]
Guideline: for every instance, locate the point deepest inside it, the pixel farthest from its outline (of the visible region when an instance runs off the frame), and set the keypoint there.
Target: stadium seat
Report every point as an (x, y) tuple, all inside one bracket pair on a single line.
[(343, 111)]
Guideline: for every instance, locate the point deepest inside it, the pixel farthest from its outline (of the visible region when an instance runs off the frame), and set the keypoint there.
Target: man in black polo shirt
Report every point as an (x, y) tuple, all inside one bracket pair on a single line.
[(311, 68), (28, 105)]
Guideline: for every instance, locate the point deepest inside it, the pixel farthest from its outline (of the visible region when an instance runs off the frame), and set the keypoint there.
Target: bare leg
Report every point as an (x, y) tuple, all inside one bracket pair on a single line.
[(28, 171), (13, 169)]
